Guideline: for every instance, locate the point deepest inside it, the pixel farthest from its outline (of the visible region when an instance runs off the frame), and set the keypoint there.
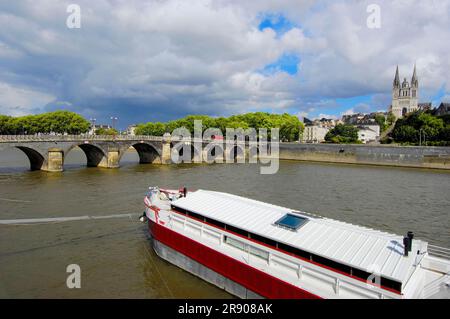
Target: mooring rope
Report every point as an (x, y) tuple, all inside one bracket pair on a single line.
[(154, 264), (30, 221)]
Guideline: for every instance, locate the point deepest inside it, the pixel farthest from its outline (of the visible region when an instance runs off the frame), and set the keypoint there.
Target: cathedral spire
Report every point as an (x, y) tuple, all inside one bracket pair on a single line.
[(414, 80), (397, 79)]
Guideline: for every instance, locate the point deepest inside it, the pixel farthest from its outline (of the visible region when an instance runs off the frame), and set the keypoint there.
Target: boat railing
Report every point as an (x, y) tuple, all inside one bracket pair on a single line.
[(439, 251), (433, 287), (302, 265)]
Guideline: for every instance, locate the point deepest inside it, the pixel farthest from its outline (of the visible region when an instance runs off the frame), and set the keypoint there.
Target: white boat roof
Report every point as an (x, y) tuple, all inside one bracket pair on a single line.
[(359, 247)]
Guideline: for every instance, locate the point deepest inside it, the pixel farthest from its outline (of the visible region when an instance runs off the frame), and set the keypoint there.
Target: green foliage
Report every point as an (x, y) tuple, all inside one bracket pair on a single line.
[(289, 125), (107, 131), (381, 121), (57, 122), (390, 119), (422, 126), (342, 133), (405, 133), (445, 118), (155, 129)]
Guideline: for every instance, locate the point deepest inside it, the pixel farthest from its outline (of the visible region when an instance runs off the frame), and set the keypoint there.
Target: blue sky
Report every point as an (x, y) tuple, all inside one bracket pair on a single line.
[(155, 61), (277, 22)]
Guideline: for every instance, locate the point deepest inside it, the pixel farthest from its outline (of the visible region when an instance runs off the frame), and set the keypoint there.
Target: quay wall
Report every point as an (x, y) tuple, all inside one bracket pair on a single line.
[(401, 156)]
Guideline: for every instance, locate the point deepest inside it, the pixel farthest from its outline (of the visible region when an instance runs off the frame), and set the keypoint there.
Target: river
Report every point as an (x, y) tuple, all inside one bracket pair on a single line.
[(114, 254)]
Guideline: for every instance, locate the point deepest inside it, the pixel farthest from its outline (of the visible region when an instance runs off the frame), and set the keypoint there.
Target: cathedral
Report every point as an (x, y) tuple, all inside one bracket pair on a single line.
[(405, 96)]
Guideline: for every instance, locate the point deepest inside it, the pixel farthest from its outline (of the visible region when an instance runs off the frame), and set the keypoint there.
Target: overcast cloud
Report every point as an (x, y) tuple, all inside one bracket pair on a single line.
[(158, 60)]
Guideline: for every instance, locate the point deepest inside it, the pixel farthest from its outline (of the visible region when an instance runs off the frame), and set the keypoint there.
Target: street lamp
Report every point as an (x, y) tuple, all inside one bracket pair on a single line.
[(420, 136), (114, 120)]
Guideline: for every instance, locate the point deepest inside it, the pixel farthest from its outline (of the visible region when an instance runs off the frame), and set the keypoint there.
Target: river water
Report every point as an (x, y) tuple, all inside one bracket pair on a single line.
[(114, 254)]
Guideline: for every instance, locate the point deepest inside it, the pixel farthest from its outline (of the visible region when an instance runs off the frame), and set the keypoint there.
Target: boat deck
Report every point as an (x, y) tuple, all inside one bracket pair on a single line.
[(359, 247)]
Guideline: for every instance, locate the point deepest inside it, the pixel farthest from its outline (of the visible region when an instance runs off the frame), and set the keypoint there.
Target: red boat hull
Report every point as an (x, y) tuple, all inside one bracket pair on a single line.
[(241, 273)]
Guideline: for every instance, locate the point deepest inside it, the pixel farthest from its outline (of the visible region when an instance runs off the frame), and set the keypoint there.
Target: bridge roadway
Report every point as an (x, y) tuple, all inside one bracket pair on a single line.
[(47, 152)]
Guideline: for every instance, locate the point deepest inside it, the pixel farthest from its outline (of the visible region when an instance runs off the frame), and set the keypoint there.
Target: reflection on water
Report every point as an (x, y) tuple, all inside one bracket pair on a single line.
[(115, 256)]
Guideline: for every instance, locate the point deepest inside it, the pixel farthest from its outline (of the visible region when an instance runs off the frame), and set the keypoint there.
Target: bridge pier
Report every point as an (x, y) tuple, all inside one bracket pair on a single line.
[(55, 160), (112, 159), (235, 153), (213, 154), (166, 150)]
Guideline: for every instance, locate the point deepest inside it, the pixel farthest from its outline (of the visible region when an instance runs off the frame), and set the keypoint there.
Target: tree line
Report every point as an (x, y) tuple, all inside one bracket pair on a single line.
[(422, 127), (52, 122), (61, 122), (289, 125)]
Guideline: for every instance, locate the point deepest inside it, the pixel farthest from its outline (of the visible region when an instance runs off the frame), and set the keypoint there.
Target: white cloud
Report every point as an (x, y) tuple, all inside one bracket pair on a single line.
[(18, 101), (169, 58), (349, 112)]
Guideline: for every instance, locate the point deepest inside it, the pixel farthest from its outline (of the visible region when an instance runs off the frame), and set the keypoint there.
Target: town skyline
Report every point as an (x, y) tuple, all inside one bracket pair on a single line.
[(311, 60)]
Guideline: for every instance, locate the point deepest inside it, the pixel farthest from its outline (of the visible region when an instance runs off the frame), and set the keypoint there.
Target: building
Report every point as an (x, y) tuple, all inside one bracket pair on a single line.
[(405, 96), (314, 134), (131, 129), (324, 122), (442, 109), (352, 118), (368, 133), (362, 119), (425, 106), (95, 127)]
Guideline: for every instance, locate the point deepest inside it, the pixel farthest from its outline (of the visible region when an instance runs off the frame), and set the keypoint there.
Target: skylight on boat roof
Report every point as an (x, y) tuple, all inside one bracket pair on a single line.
[(291, 221)]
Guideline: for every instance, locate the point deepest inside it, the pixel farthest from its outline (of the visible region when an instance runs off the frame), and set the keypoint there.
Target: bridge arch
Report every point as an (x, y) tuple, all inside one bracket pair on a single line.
[(213, 152), (148, 153), (95, 155), (181, 148), (235, 153), (36, 159)]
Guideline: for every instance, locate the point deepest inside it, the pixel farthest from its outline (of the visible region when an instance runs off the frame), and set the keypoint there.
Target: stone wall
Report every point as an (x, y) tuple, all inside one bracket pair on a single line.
[(402, 156)]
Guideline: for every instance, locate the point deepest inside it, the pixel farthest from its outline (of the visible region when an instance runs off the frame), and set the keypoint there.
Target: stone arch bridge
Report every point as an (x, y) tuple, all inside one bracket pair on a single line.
[(47, 152)]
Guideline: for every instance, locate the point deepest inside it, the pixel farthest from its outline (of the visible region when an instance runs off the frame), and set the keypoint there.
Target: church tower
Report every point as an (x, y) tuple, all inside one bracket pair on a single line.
[(405, 96), (396, 85), (415, 87)]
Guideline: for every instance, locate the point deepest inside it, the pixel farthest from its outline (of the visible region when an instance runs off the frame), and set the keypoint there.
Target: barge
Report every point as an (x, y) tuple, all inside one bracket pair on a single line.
[(253, 249)]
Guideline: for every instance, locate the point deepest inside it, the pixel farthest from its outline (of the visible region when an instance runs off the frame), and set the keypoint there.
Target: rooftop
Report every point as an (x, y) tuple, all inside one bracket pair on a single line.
[(359, 247)]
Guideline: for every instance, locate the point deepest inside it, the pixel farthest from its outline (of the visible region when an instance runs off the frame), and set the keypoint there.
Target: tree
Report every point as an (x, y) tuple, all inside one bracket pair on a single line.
[(6, 125), (289, 125), (108, 131), (381, 121), (58, 122), (290, 128), (342, 133), (390, 119), (155, 129), (405, 133), (419, 126)]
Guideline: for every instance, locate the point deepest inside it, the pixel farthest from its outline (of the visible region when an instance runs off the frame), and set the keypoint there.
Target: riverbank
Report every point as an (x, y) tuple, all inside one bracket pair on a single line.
[(383, 155)]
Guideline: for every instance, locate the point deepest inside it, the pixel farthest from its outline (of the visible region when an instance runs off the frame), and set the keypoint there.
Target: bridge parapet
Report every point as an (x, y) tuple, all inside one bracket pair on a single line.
[(70, 138), (107, 138)]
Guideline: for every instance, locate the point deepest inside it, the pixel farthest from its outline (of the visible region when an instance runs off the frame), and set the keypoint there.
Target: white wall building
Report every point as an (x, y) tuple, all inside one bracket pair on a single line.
[(95, 127), (131, 129), (314, 134), (368, 133)]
